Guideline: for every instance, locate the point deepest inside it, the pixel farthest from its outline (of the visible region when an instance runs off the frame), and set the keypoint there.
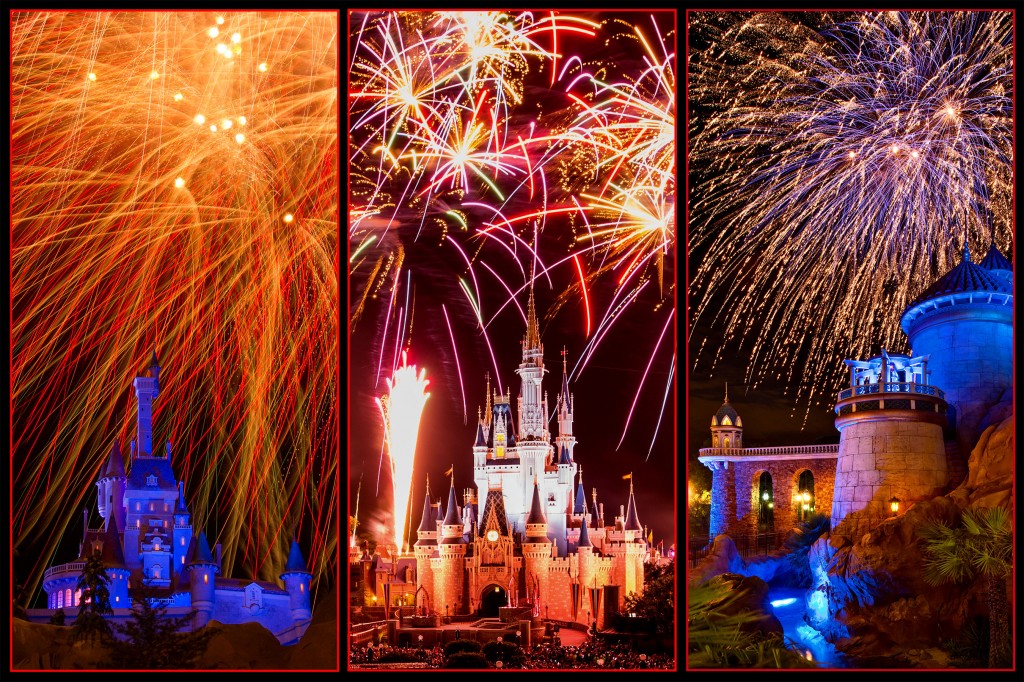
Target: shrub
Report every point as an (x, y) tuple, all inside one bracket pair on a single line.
[(510, 654), (460, 646), (466, 659), (57, 618)]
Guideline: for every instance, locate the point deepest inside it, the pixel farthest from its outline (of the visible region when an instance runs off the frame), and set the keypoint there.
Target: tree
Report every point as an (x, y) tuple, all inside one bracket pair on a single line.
[(717, 638), (57, 618), (151, 639), (981, 547), (654, 609), (95, 601)]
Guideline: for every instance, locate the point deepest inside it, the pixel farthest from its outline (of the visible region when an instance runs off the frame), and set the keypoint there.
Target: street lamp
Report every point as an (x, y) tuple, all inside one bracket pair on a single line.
[(894, 505), (421, 641), (499, 640), (764, 497)]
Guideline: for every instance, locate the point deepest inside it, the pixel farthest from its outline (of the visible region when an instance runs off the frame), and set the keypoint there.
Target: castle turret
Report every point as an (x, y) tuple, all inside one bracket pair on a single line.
[(423, 548), (964, 321), (452, 552), (296, 579), (536, 549), (203, 571), (635, 544), (147, 389), (996, 263), (111, 487), (726, 426), (890, 439), (182, 535)]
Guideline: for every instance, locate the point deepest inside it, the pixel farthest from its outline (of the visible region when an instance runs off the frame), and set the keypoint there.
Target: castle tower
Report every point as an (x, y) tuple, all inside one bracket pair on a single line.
[(452, 551), (890, 438), (964, 321), (587, 567), (111, 487), (536, 549), (726, 426), (296, 579), (424, 547), (182, 535), (146, 391), (636, 547), (202, 574)]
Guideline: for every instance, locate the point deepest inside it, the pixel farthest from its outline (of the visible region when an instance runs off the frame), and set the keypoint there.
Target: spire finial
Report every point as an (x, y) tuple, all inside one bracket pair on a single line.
[(532, 339), (967, 252), (564, 354), (727, 391)]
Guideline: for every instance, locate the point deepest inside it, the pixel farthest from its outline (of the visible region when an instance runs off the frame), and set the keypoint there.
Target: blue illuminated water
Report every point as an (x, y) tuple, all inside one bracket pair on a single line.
[(789, 606)]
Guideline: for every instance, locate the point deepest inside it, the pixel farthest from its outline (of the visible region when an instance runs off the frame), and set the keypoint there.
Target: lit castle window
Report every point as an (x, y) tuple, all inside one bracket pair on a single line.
[(151, 481)]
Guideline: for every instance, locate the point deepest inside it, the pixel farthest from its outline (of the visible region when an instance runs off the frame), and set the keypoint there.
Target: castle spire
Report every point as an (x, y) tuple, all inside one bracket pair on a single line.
[(532, 339), (487, 408), (581, 496), (427, 519), (631, 521), (727, 391)]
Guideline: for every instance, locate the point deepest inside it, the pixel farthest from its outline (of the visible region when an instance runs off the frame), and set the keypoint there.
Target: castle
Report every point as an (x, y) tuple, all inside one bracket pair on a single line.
[(147, 541), (907, 423), (535, 541)]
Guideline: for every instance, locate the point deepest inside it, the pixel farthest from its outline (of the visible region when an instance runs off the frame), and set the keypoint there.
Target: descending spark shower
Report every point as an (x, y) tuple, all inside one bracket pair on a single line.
[(401, 410), (838, 164), (175, 187)]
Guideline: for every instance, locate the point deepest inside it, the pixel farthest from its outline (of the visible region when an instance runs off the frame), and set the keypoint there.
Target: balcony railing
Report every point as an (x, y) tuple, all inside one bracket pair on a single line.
[(830, 449), (73, 567), (892, 387)]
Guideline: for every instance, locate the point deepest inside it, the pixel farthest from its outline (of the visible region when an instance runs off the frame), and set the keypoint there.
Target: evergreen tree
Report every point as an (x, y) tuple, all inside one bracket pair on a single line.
[(981, 546), (95, 601), (150, 639), (655, 608)]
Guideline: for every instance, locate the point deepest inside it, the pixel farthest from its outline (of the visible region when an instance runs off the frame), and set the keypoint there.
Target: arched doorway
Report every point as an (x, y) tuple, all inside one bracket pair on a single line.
[(765, 504), (491, 598), (805, 495)]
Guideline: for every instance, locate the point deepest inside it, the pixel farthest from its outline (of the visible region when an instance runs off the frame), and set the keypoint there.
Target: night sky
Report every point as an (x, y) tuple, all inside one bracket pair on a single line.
[(605, 390)]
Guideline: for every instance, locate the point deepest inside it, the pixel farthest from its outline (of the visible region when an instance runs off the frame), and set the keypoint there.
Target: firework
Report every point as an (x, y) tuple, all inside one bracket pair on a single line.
[(847, 163), (401, 410), (483, 131), (174, 187)]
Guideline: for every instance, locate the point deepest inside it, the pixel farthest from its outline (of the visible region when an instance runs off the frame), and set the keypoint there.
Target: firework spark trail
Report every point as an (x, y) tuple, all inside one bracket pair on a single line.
[(401, 409), (878, 142), (437, 142), (177, 190), (458, 367)]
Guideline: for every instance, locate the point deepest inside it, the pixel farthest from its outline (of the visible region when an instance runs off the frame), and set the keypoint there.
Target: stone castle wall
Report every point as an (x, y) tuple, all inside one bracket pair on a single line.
[(884, 458)]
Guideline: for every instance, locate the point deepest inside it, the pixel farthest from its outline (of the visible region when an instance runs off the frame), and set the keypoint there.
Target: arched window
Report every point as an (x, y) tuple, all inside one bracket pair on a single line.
[(765, 504), (67, 596), (726, 442), (78, 597), (156, 571), (714, 441), (60, 599), (805, 495)]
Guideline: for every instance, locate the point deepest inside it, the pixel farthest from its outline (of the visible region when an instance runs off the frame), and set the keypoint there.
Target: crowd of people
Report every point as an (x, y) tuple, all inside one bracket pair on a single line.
[(432, 656), (594, 653)]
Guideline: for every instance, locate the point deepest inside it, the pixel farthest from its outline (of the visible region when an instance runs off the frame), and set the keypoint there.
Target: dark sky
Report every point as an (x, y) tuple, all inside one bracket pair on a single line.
[(603, 392)]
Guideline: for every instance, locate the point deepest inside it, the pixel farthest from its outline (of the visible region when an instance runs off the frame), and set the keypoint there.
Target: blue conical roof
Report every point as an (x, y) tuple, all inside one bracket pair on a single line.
[(995, 260), (563, 455), (965, 277), (202, 553), (536, 509), (296, 563), (580, 501), (584, 534), (480, 440), (452, 517), (632, 522), (427, 518), (115, 463)]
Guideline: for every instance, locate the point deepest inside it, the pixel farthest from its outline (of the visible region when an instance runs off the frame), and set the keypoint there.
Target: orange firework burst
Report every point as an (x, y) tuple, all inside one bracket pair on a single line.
[(174, 182)]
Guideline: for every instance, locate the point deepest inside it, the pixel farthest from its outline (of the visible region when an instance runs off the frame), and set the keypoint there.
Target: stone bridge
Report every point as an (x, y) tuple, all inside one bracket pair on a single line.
[(761, 490)]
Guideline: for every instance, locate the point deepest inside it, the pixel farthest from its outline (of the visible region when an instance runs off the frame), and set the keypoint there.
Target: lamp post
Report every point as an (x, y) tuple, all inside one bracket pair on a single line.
[(894, 505), (421, 641)]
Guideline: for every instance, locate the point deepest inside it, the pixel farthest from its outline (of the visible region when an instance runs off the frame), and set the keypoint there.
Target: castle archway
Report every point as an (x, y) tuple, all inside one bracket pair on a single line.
[(804, 497), (492, 597), (765, 503)]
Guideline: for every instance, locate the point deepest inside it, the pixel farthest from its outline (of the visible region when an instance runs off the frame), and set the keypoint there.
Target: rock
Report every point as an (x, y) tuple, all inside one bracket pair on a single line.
[(722, 558), (870, 598), (245, 646), (754, 599)]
